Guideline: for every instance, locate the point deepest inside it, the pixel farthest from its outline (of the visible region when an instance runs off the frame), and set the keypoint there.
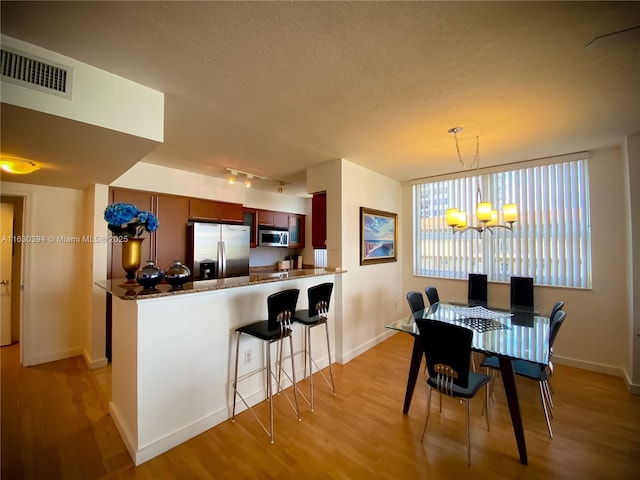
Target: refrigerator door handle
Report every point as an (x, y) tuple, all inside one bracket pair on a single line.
[(222, 260)]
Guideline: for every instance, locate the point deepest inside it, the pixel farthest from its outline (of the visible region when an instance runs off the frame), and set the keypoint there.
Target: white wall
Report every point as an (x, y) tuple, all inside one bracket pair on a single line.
[(595, 335), (632, 197), (372, 293), (55, 274)]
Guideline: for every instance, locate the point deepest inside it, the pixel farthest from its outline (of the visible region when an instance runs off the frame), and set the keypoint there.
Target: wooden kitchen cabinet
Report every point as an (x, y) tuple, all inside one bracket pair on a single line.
[(200, 209), (250, 215), (269, 218), (265, 218), (231, 212), (281, 220), (171, 236), (296, 230), (319, 220)]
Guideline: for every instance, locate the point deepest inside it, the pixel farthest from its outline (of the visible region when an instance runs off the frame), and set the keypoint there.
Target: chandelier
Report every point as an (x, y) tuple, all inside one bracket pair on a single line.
[(487, 217)]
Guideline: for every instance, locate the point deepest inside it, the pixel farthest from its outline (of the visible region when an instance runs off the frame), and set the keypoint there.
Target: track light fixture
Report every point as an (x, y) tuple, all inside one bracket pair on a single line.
[(250, 177)]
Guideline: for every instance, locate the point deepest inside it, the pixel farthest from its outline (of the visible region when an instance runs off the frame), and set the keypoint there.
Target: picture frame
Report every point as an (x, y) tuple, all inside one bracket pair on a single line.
[(378, 236)]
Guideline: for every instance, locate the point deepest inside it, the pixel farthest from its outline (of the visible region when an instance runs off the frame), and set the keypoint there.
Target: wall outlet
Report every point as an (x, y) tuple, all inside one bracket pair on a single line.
[(248, 357)]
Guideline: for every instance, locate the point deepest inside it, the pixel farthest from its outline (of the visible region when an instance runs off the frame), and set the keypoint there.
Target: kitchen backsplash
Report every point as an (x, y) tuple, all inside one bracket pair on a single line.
[(264, 256)]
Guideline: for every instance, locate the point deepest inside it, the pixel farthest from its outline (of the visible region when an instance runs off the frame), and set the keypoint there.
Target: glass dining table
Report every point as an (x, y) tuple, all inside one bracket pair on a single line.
[(508, 334)]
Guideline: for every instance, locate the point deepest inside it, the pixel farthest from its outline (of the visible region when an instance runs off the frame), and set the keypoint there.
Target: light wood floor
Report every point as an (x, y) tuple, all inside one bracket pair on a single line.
[(55, 424)]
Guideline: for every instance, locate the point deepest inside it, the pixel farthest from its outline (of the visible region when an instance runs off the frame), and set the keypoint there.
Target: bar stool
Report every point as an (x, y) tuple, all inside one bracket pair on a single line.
[(281, 307), (317, 314)]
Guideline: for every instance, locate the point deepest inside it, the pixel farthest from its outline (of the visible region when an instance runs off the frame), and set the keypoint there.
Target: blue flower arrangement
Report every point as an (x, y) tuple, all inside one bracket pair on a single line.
[(126, 220)]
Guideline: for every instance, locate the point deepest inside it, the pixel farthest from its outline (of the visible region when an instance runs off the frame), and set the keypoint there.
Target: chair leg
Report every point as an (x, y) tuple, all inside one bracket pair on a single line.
[(293, 375), (544, 407), (547, 398), (235, 379), (333, 385), (308, 341), (426, 417), (486, 405), (305, 350), (270, 392), (547, 389), (468, 434)]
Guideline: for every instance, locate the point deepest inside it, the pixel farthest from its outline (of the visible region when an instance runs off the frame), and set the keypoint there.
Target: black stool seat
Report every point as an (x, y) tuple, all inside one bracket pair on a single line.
[(261, 330), (305, 318)]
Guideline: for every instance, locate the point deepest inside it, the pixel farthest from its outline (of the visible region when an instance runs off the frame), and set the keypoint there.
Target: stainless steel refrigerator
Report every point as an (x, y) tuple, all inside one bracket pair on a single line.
[(217, 250)]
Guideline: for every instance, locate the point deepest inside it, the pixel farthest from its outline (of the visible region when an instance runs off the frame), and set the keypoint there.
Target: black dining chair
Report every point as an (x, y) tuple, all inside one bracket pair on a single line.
[(535, 371), (319, 297), (522, 293), (416, 301), (448, 350), (559, 305), (432, 295), (477, 289), (278, 326)]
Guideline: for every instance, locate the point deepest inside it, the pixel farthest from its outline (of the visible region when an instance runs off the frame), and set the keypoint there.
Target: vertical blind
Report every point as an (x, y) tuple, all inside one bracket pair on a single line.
[(550, 242)]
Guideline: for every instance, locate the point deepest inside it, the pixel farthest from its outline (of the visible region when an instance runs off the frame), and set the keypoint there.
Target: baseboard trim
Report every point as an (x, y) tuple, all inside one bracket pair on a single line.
[(594, 367), (139, 455), (53, 356), (350, 355), (94, 364)]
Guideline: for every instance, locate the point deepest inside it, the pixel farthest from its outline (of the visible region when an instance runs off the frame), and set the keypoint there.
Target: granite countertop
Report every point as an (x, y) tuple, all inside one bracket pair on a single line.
[(119, 287)]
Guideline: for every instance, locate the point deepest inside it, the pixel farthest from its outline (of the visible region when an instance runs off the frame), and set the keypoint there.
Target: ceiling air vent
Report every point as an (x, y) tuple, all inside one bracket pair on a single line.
[(37, 73)]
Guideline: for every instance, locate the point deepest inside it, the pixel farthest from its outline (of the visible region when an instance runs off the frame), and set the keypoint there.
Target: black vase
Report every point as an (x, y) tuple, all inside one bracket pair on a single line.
[(149, 276), (177, 274)]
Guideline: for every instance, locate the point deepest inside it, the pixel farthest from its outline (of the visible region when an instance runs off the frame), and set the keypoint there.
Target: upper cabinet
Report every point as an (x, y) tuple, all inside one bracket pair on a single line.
[(296, 230), (250, 215), (268, 218), (264, 218), (319, 220), (200, 209)]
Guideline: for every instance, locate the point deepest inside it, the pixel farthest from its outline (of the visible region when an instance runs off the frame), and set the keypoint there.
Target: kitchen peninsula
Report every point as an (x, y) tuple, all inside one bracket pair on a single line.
[(174, 349)]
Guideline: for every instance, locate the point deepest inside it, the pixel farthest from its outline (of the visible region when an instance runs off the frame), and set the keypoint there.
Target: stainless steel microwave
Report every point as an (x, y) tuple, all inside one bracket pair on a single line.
[(273, 238)]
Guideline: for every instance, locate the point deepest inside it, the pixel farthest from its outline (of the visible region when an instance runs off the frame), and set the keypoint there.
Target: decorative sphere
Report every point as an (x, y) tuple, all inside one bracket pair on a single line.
[(149, 276), (177, 274)]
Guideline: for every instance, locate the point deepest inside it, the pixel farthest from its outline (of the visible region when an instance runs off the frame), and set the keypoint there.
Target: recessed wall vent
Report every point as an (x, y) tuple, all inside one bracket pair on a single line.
[(37, 73)]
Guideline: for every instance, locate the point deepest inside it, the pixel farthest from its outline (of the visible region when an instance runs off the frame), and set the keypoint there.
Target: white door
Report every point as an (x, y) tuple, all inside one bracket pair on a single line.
[(6, 232)]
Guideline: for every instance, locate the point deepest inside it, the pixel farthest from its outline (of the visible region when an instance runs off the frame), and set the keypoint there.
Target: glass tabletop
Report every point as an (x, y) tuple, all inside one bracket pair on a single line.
[(519, 334)]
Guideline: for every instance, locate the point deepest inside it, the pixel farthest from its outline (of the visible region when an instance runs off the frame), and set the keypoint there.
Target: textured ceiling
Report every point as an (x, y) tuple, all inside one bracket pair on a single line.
[(273, 88)]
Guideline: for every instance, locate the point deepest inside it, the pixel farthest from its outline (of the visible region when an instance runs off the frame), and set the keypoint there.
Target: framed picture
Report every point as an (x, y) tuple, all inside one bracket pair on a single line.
[(378, 236)]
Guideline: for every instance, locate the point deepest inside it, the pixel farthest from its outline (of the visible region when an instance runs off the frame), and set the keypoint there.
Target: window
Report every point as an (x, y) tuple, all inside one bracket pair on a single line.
[(551, 241)]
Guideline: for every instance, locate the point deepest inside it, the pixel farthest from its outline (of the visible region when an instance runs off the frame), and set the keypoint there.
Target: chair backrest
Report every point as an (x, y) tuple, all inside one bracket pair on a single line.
[(522, 292), (432, 295), (477, 289), (281, 307), (416, 301), (559, 305), (446, 344), (319, 297), (555, 324)]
